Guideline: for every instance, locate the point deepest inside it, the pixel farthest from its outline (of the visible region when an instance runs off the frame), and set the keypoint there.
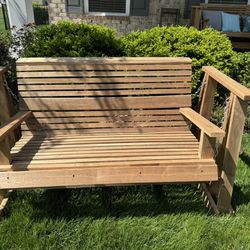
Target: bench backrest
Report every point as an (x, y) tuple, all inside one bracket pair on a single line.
[(104, 94)]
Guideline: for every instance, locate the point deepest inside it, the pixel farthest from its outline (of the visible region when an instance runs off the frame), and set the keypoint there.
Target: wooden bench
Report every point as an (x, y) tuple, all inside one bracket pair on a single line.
[(117, 121), (240, 40)]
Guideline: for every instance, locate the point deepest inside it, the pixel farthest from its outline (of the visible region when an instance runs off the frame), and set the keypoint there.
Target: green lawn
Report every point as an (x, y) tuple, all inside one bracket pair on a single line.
[(2, 27), (77, 219)]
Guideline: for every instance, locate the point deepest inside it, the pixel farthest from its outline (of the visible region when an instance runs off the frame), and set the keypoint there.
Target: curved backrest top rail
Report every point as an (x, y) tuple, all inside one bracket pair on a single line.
[(241, 91)]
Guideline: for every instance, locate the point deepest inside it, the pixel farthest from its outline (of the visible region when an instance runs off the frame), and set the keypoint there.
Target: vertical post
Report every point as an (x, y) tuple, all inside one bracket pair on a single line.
[(206, 147), (207, 101), (232, 149), (5, 144), (207, 144), (4, 116)]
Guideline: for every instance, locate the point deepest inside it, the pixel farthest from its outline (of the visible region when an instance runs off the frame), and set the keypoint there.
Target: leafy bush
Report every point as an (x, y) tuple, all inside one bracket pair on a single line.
[(7, 61), (206, 47), (69, 39), (4, 49), (241, 70)]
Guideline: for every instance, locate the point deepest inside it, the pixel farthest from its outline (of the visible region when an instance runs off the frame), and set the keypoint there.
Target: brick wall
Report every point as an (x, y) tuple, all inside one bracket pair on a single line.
[(124, 24)]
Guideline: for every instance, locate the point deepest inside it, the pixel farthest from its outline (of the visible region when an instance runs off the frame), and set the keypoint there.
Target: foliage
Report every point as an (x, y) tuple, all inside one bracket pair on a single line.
[(241, 69), (69, 39), (7, 61), (4, 48), (206, 47)]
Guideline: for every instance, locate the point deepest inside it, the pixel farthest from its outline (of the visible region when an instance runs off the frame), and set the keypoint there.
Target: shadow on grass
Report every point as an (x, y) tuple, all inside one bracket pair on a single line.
[(136, 201), (245, 158), (240, 196)]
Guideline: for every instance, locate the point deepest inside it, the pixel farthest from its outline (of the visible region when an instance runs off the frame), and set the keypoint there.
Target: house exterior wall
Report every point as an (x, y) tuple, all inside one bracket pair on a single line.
[(123, 24)]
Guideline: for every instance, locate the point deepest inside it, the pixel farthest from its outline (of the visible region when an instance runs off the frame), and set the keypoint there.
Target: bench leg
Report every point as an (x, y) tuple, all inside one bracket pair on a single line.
[(4, 196), (158, 191), (231, 148), (106, 197)]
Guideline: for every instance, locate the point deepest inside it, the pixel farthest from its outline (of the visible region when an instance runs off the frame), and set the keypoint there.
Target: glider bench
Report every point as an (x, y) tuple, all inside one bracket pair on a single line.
[(118, 121)]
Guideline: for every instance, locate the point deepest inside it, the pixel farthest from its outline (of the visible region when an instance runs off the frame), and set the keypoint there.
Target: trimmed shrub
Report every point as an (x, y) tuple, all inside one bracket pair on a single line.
[(69, 39), (206, 47), (7, 61), (241, 71)]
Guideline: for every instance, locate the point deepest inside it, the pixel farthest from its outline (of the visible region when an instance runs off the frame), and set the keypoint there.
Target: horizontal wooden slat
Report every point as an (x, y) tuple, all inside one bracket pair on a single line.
[(106, 113), (115, 92), (102, 73), (105, 103), (103, 125), (110, 146), (94, 141), (103, 130), (164, 173), (113, 80), (79, 66), (107, 119), (107, 87), (72, 156), (104, 60)]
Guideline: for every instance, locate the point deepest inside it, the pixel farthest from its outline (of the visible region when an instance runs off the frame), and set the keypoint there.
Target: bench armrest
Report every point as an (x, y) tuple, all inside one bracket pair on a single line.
[(202, 123), (13, 123), (239, 90), (3, 70)]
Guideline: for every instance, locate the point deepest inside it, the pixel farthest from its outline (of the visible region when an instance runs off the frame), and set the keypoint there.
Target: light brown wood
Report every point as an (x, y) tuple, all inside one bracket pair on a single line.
[(206, 146), (5, 114), (105, 80), (98, 66), (104, 60), (121, 175), (94, 93), (117, 121), (207, 101), (210, 203), (103, 87), (13, 123), (3, 70), (4, 196), (59, 104), (102, 74), (232, 149), (233, 86), (205, 125)]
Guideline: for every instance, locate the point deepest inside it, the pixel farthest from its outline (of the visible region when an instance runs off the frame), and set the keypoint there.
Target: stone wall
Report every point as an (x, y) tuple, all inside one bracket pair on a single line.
[(123, 24)]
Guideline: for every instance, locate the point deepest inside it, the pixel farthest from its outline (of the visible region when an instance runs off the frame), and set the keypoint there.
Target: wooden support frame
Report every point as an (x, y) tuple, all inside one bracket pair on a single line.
[(109, 168), (4, 116), (221, 191)]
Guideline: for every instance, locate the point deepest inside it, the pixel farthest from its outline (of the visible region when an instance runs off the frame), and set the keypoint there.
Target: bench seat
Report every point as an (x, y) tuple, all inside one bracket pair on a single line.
[(106, 159)]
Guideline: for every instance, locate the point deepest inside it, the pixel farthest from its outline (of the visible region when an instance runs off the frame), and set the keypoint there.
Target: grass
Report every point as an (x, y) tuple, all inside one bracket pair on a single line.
[(2, 26), (77, 219)]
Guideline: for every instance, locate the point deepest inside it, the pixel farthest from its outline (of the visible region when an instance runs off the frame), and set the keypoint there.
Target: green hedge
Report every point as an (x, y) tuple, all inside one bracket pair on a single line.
[(7, 61), (206, 47), (241, 68), (69, 39)]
